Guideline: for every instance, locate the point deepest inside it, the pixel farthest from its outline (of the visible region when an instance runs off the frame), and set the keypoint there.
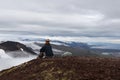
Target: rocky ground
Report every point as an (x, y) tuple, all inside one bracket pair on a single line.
[(65, 68)]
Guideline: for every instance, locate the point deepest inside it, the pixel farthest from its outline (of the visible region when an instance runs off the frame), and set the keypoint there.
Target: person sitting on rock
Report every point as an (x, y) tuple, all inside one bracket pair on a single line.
[(46, 50)]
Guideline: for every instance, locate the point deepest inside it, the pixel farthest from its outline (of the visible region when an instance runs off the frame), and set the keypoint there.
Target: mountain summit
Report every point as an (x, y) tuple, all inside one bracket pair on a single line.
[(65, 68)]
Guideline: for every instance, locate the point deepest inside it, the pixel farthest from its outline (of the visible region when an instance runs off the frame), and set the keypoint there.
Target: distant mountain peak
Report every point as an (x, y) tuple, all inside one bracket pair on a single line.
[(11, 46)]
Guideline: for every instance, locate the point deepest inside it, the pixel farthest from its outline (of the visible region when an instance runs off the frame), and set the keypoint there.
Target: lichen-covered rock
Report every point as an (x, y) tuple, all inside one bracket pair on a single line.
[(67, 54)]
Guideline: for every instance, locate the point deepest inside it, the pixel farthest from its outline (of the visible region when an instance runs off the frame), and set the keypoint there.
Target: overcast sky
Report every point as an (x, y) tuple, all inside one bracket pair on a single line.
[(93, 18)]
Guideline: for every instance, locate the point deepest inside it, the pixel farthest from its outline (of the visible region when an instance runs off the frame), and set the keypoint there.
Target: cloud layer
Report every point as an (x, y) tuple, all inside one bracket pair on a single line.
[(91, 18)]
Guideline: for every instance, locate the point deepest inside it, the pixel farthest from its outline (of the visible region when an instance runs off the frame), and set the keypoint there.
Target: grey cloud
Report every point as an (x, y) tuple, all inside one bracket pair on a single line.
[(61, 17)]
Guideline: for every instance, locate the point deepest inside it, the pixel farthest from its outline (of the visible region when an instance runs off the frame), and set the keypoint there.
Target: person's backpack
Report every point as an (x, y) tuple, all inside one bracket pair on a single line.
[(41, 55)]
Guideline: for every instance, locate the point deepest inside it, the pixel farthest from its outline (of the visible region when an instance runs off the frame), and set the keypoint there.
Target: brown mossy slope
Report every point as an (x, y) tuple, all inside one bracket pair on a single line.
[(67, 68)]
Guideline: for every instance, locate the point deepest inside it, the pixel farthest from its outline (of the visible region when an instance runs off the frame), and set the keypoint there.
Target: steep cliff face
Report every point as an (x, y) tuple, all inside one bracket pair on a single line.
[(66, 68)]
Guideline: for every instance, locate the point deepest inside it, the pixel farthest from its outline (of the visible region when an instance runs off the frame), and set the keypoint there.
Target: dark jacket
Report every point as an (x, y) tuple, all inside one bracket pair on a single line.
[(48, 50)]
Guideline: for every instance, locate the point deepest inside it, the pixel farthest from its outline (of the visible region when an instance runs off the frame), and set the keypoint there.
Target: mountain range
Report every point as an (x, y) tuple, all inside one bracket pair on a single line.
[(29, 47)]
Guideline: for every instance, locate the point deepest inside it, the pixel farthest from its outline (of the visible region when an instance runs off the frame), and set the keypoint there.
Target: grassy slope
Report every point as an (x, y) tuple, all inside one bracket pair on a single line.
[(67, 68)]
